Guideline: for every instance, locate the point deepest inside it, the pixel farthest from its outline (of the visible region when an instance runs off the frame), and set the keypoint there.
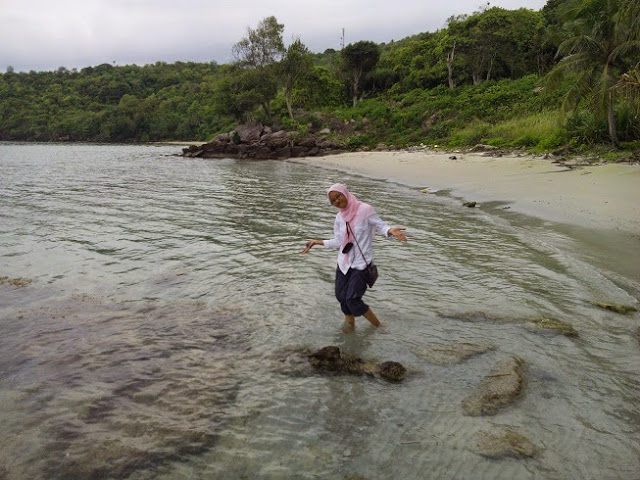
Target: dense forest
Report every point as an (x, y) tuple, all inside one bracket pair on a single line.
[(567, 76)]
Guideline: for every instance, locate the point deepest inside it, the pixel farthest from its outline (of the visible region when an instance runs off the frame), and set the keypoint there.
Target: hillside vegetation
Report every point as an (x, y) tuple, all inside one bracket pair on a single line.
[(567, 76)]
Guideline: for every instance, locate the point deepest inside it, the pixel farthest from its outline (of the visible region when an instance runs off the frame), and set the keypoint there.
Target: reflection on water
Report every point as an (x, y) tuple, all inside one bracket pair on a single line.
[(163, 288)]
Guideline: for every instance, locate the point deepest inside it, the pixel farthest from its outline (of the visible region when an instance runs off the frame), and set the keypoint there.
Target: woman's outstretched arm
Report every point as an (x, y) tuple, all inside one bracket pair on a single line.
[(384, 229), (398, 232), (309, 245)]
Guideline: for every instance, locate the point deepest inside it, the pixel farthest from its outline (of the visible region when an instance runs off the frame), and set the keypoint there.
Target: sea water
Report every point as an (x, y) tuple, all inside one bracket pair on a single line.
[(148, 301)]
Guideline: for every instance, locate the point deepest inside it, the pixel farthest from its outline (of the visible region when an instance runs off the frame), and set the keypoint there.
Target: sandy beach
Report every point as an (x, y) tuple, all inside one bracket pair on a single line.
[(600, 196)]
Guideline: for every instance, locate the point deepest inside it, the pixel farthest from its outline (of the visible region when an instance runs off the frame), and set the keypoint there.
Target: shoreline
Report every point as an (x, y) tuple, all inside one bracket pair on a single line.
[(605, 196)]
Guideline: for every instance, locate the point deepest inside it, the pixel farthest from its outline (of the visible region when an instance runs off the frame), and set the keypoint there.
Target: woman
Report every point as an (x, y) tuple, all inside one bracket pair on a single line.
[(354, 227)]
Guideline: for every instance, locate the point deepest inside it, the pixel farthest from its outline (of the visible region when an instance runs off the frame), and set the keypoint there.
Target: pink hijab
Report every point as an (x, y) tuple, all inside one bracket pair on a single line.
[(355, 211)]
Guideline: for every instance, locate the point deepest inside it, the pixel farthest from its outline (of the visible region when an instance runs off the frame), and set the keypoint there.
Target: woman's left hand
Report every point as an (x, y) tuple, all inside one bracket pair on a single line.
[(398, 232)]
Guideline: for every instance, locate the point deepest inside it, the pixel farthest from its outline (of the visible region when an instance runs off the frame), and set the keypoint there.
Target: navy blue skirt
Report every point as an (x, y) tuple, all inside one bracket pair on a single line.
[(350, 288)]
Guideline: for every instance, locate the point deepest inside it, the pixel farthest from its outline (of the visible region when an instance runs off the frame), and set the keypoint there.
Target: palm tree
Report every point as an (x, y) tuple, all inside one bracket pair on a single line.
[(601, 41), (629, 84)]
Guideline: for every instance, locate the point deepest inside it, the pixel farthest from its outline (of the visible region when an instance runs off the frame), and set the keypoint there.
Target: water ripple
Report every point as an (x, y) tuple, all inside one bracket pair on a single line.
[(163, 288)]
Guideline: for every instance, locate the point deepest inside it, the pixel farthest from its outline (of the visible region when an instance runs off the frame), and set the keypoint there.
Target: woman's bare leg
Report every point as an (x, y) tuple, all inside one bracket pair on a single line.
[(369, 315), (351, 323)]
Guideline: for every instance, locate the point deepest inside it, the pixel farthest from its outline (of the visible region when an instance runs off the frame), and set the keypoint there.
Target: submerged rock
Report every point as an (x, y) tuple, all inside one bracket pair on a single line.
[(545, 325), (478, 316), (501, 387), (451, 353), (470, 204), (16, 282), (329, 360), (612, 307), (505, 444)]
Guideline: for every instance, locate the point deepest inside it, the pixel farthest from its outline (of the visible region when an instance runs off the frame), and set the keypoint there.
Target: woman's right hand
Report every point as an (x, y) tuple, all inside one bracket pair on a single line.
[(310, 244)]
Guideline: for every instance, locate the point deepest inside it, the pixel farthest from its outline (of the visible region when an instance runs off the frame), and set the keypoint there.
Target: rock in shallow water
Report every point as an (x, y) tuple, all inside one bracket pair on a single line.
[(329, 360), (505, 444), (15, 282), (451, 353), (613, 307), (501, 387), (546, 325), (392, 371)]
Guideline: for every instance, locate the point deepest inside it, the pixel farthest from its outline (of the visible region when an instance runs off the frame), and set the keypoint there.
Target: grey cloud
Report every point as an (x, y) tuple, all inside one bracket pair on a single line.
[(43, 35)]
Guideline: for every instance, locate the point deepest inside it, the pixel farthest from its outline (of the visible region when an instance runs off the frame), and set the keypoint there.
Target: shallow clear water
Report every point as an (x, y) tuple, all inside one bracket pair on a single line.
[(165, 293)]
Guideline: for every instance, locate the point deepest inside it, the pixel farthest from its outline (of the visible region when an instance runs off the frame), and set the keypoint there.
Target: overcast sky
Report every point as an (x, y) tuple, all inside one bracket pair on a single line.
[(47, 34)]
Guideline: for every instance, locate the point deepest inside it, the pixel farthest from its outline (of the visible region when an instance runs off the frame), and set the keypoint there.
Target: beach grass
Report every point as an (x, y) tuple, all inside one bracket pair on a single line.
[(541, 131)]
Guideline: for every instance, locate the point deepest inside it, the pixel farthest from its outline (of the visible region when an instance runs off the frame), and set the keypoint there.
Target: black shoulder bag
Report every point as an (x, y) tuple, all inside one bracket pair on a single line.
[(371, 270)]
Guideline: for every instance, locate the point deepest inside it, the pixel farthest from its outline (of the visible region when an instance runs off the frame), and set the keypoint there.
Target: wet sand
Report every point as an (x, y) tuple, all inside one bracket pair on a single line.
[(600, 196)]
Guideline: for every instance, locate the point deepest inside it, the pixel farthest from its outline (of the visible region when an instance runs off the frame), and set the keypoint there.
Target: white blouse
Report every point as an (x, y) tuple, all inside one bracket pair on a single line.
[(363, 232)]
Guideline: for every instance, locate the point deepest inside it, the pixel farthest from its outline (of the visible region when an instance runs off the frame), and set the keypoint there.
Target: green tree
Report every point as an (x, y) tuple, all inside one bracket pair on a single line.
[(446, 49), (257, 54), (238, 94), (524, 51), (262, 46), (296, 64), (602, 44), (494, 43), (415, 62), (358, 59), (320, 89)]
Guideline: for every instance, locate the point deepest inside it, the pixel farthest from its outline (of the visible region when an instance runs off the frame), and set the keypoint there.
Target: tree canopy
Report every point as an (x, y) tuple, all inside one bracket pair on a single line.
[(262, 46), (602, 41), (359, 59), (489, 63)]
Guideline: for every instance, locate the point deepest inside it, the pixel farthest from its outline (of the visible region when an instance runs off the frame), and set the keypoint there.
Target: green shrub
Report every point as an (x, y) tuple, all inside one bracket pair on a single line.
[(358, 141), (628, 122), (584, 129), (553, 141)]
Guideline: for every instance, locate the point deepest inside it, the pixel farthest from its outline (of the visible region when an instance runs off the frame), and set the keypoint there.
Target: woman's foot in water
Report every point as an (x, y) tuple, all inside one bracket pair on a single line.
[(349, 324), (369, 315)]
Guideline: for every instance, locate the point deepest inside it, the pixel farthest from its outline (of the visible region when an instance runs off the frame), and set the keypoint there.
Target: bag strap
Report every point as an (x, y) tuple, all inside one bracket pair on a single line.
[(356, 240)]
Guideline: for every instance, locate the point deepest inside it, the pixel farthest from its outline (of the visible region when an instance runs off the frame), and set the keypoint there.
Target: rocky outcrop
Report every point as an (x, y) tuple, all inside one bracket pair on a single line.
[(500, 388), (258, 142)]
